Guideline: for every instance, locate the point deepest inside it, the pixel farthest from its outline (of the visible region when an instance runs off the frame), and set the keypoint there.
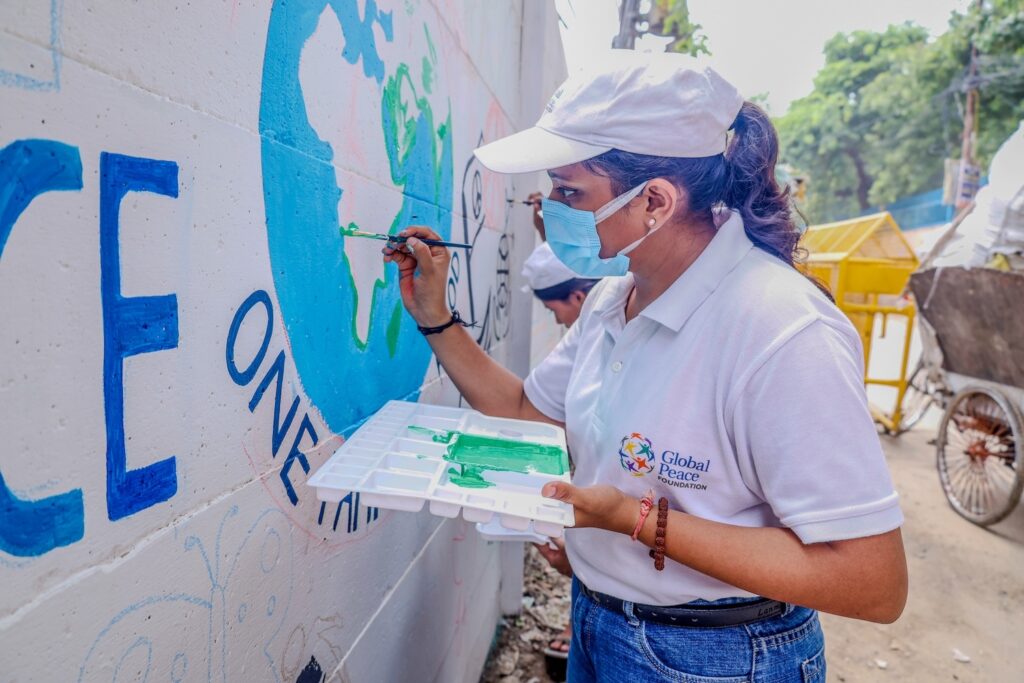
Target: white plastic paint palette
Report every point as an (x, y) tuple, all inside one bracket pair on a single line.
[(493, 531), (398, 468)]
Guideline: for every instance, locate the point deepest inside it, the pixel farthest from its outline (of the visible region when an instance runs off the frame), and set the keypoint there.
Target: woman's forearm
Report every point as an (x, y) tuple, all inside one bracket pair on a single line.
[(482, 381), (864, 578), (422, 279)]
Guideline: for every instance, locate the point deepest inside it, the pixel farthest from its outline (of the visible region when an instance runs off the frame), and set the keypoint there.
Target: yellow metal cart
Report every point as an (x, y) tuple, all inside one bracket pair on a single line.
[(866, 262)]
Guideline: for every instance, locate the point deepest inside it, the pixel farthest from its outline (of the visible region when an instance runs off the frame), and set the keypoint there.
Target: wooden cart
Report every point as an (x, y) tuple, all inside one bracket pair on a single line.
[(972, 323)]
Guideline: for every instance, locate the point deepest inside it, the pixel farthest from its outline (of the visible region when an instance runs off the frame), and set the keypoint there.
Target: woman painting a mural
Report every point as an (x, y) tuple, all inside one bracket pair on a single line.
[(729, 481)]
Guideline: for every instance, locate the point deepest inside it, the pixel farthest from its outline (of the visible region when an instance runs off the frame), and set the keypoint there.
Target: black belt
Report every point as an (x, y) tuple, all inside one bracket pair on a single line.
[(694, 616)]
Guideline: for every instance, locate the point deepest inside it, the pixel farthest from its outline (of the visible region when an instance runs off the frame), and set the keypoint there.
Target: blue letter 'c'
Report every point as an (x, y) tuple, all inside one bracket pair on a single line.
[(28, 168)]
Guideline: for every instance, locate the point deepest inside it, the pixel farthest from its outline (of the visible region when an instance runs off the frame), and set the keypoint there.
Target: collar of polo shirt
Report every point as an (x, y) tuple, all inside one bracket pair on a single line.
[(676, 304)]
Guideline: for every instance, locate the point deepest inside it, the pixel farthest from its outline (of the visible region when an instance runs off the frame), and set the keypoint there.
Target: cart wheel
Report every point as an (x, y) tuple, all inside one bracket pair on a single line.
[(917, 399), (979, 453)]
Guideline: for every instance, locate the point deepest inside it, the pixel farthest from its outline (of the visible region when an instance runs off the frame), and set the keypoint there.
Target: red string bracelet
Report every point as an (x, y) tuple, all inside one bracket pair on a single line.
[(646, 503)]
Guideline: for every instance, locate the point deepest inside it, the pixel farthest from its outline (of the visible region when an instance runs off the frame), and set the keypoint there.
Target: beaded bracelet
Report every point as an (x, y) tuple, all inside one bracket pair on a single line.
[(658, 552)]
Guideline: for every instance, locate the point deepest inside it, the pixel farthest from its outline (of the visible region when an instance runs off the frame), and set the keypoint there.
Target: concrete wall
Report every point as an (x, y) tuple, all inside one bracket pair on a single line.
[(185, 336)]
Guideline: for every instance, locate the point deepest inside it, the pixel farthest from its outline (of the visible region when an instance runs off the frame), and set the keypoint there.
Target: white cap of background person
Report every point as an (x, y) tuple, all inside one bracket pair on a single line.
[(661, 104), (561, 290), (542, 270)]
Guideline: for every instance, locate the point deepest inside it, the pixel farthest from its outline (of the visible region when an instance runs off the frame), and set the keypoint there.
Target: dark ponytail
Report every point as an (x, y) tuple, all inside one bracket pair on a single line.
[(742, 179), (751, 187)]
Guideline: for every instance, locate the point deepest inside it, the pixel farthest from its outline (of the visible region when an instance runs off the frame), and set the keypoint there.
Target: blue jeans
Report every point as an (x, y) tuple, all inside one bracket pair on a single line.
[(612, 647)]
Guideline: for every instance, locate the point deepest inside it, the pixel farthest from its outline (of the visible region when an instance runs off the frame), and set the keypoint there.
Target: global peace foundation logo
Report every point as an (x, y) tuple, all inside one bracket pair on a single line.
[(636, 454)]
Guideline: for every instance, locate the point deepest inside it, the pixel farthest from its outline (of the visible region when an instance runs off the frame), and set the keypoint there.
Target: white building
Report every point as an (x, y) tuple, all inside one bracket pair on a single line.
[(185, 335)]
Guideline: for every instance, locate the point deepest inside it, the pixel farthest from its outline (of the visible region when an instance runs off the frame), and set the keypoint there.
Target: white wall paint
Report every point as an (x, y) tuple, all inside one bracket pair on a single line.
[(248, 130)]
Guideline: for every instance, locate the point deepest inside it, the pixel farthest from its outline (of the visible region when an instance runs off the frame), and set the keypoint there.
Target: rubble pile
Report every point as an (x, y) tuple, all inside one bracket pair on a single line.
[(518, 656)]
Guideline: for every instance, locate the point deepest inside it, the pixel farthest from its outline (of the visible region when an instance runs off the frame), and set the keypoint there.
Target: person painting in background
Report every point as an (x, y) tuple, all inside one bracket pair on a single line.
[(560, 290), (729, 481)]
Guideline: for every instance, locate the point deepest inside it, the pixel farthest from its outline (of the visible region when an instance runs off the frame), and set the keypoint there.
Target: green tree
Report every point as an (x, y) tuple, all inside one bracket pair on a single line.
[(1000, 39), (886, 108)]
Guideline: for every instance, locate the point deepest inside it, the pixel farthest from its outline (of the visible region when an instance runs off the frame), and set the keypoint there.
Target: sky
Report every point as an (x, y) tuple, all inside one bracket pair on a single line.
[(762, 46)]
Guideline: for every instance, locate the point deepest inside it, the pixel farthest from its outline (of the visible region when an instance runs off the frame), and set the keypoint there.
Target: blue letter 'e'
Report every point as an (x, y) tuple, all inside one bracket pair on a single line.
[(131, 325)]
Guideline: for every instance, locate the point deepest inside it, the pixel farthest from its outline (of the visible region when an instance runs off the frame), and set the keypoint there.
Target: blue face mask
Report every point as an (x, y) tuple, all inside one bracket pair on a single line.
[(572, 234)]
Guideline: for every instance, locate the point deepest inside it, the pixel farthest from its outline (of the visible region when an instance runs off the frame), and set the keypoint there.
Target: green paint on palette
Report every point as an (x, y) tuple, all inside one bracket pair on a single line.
[(468, 477), (506, 455), (475, 453), (438, 435)]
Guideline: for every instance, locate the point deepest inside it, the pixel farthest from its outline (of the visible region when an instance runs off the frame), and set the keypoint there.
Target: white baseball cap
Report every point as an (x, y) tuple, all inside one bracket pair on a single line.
[(662, 104), (542, 269)]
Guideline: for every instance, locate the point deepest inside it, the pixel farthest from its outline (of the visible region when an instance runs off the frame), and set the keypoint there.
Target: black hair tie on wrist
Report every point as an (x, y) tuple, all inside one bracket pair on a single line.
[(456, 320)]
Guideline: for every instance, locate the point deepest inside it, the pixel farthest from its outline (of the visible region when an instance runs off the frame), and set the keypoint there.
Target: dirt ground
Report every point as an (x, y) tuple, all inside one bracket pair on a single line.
[(966, 597)]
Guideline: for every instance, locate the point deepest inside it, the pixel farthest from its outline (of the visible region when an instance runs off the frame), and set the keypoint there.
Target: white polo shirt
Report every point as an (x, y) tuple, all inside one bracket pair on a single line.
[(738, 394)]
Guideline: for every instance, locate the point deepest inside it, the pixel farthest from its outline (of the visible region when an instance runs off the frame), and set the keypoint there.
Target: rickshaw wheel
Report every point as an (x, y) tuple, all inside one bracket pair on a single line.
[(979, 453), (917, 399)]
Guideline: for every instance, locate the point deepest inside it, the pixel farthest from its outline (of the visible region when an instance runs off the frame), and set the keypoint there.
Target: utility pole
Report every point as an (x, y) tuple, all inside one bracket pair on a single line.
[(970, 175), (629, 15)]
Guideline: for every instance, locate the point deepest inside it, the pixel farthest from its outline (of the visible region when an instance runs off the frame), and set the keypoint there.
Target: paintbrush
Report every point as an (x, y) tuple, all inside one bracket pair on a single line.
[(395, 239)]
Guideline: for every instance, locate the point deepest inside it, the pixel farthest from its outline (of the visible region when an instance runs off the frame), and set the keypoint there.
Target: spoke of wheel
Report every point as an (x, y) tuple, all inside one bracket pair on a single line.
[(988, 495), (979, 493), (999, 472), (956, 463), (916, 401), (950, 464), (976, 492), (958, 474), (983, 500), (961, 489), (999, 497), (958, 439), (957, 455), (967, 502), (998, 430)]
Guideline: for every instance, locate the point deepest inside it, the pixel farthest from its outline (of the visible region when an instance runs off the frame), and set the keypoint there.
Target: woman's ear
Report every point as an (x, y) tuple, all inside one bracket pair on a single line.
[(664, 200)]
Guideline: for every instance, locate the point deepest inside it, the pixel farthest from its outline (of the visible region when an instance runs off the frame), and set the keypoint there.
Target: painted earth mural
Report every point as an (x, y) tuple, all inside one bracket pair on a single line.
[(353, 344)]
